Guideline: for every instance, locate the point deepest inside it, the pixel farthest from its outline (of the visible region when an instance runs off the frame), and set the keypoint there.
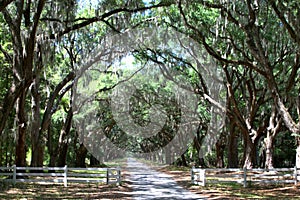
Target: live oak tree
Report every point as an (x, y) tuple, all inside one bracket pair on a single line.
[(255, 43), (260, 36), (27, 22)]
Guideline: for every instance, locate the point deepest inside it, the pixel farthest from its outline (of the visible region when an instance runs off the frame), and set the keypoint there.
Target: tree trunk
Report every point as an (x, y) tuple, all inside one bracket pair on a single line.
[(62, 155), (51, 149), (63, 139), (1, 152), (181, 161), (51, 106), (37, 143), (80, 156), (272, 131), (197, 145), (22, 125), (233, 157), (22, 65), (290, 123), (168, 155), (8, 104), (37, 159), (220, 153), (154, 158), (269, 141), (200, 157), (94, 162), (249, 152)]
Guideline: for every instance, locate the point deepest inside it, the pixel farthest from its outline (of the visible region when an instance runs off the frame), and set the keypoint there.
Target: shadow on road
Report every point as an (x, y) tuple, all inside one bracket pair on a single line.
[(147, 184)]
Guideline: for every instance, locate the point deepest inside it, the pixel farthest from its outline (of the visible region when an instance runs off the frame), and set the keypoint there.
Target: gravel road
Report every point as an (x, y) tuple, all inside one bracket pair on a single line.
[(148, 183)]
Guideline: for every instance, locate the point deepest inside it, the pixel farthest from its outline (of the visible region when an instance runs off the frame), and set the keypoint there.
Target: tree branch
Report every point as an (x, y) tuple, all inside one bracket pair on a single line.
[(289, 28), (293, 76), (54, 95), (210, 49), (4, 3), (89, 21), (6, 54), (37, 16)]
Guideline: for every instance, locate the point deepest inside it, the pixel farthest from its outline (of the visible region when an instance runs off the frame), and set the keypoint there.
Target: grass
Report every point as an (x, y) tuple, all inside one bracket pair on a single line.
[(116, 162), (177, 168), (87, 171), (233, 190), (58, 191), (180, 174), (254, 192), (73, 191)]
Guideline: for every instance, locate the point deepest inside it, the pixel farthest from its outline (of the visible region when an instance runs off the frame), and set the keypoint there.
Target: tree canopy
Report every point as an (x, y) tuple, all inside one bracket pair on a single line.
[(234, 64)]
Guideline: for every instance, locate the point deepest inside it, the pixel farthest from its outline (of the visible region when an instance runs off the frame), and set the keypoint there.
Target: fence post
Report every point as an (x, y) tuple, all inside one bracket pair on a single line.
[(107, 176), (119, 176), (245, 177), (202, 176), (296, 174), (192, 175), (65, 176), (14, 174)]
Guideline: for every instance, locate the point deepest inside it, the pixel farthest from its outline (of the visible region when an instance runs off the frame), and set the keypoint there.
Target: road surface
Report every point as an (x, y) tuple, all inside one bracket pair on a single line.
[(148, 184)]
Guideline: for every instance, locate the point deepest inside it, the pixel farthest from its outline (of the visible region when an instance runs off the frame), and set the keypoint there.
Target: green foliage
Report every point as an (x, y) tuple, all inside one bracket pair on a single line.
[(227, 39), (283, 156), (5, 62)]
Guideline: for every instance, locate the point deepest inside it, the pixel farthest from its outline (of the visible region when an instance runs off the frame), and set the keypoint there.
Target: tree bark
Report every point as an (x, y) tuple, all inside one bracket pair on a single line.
[(81, 154), (62, 155), (220, 147), (249, 152), (269, 143), (9, 101), (51, 149), (37, 143), (22, 67), (24, 48), (184, 163), (51, 105), (1, 152), (233, 161), (168, 155), (22, 126), (197, 145), (272, 131), (94, 161), (4, 3), (63, 139)]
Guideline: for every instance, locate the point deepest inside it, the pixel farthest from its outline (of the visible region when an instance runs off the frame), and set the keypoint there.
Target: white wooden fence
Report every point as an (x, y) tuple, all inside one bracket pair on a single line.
[(60, 175), (245, 176)]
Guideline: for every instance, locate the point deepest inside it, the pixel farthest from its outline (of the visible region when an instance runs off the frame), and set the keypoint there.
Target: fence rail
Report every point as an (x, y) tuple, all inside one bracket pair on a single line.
[(63, 175), (245, 176)]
